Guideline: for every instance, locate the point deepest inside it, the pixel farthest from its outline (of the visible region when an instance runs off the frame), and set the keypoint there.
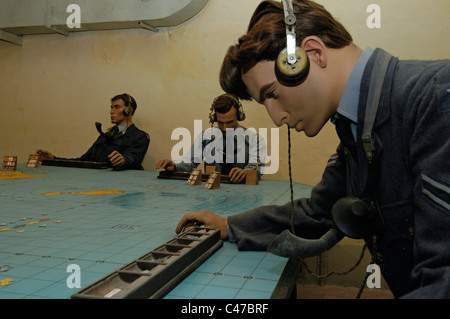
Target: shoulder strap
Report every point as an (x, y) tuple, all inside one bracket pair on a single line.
[(373, 99)]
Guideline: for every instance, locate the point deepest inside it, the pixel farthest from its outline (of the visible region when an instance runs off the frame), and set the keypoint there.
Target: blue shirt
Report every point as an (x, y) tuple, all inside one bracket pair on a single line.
[(122, 127), (348, 104)]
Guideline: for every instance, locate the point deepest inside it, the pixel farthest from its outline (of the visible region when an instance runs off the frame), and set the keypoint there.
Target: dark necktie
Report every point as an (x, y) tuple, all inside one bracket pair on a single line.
[(344, 131), (109, 135), (115, 130)]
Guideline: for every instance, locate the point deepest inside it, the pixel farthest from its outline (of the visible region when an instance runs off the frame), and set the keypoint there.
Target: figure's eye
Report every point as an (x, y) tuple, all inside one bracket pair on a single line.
[(271, 94)]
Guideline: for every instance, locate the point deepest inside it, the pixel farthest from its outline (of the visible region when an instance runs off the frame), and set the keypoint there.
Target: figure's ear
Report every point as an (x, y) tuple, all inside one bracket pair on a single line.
[(316, 50)]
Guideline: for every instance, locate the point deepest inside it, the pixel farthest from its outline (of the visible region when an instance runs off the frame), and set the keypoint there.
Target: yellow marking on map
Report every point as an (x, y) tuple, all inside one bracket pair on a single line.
[(5, 282), (17, 174), (107, 192)]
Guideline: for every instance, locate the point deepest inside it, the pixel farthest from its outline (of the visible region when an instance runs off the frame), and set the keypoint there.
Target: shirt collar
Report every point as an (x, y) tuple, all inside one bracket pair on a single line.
[(348, 104), (123, 126)]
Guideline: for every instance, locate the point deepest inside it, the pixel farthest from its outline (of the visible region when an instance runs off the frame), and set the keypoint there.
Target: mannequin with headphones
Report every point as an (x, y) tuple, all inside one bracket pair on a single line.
[(353, 216), (391, 169), (123, 146), (225, 111)]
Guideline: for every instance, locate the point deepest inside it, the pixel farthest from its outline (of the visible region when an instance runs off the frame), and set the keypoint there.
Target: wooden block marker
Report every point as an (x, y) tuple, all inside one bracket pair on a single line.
[(209, 169), (251, 177), (33, 161), (195, 178), (9, 163), (213, 181)]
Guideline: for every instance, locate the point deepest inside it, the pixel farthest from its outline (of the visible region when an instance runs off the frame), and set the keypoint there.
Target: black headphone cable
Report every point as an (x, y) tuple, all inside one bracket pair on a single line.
[(290, 181), (293, 232)]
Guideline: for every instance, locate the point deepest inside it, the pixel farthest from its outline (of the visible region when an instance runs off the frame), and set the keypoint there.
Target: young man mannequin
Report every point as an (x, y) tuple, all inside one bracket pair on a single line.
[(411, 137), (226, 111), (124, 146)]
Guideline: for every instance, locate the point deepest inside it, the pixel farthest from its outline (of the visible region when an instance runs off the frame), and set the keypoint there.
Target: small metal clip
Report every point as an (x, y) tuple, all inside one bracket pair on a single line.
[(369, 147)]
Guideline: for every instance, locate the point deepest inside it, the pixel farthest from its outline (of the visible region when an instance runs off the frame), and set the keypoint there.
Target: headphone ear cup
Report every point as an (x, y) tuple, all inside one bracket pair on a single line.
[(212, 115), (241, 114), (286, 74), (127, 111)]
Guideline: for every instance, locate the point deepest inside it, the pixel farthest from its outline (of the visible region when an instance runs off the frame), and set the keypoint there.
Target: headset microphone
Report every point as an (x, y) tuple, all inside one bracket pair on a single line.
[(354, 217), (292, 63), (107, 135)]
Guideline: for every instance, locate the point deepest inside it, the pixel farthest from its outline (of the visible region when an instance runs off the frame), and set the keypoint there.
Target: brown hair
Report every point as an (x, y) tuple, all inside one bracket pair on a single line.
[(266, 38), (223, 103)]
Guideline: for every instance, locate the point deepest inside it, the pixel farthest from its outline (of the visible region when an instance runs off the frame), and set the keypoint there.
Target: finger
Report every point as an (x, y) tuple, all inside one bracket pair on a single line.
[(113, 157), (240, 177), (188, 226), (160, 164), (165, 164), (118, 160), (234, 173), (114, 162), (181, 224), (231, 173), (168, 165), (188, 218)]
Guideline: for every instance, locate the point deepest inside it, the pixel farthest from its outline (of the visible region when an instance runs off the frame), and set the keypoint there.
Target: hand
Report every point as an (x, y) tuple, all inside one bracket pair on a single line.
[(206, 218), (237, 175), (116, 159), (168, 165), (43, 155)]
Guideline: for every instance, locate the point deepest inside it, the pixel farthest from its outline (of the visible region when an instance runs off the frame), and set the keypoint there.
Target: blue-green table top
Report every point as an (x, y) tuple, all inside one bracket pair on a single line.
[(103, 219)]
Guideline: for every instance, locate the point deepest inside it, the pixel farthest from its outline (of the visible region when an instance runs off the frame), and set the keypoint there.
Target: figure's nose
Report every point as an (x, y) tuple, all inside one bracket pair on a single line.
[(278, 116)]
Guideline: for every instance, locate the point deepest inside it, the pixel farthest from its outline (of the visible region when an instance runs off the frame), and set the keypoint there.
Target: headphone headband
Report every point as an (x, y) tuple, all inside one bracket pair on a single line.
[(291, 39), (235, 99), (292, 63)]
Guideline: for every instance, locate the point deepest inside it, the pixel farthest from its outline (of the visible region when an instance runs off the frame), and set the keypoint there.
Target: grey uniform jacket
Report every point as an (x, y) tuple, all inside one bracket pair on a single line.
[(412, 183), (253, 149)]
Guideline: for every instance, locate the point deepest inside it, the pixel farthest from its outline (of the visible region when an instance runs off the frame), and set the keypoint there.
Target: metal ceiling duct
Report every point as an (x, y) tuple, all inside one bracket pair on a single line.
[(29, 17)]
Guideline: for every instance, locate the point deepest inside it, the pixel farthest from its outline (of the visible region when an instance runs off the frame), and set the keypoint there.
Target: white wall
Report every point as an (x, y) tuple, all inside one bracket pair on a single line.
[(53, 88)]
